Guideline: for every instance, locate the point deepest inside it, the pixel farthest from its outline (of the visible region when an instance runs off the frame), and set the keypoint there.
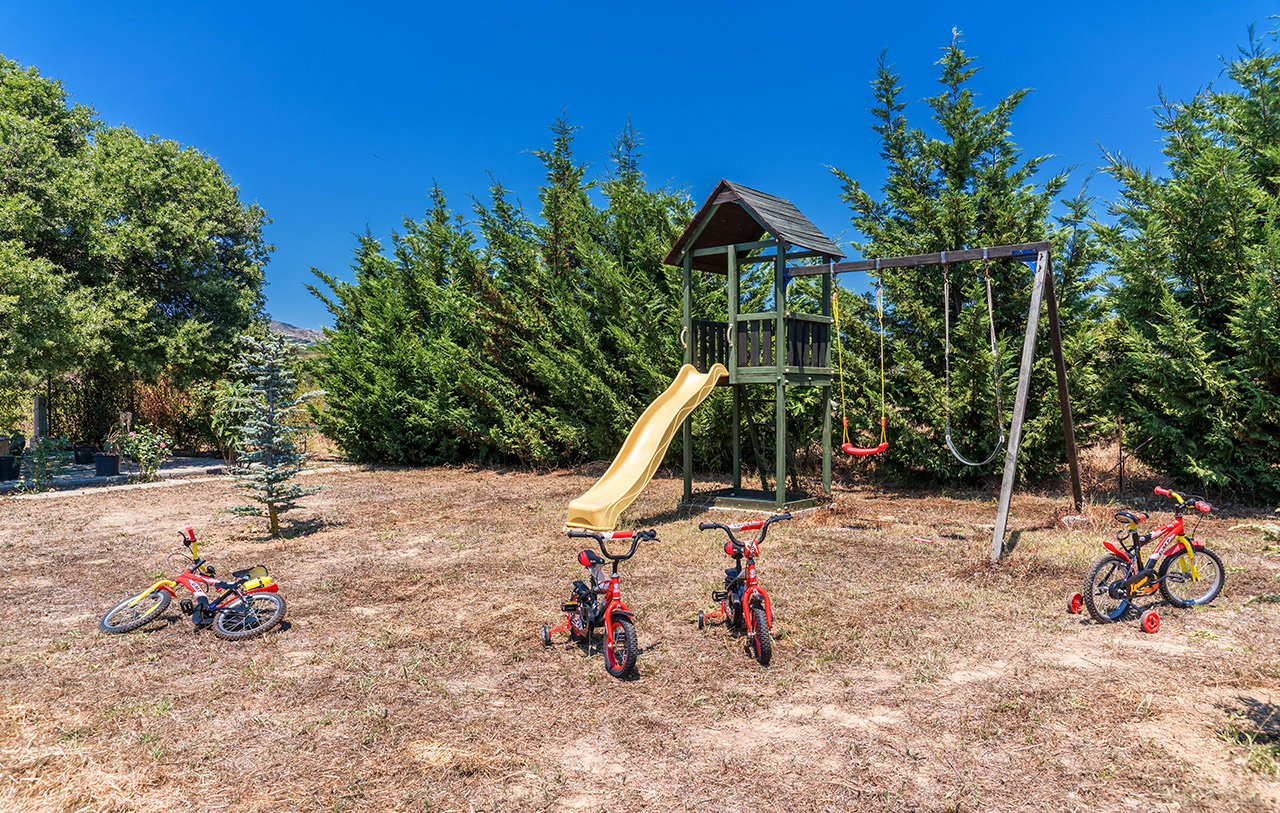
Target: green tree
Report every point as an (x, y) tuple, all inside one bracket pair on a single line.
[(519, 340), (1195, 257), (967, 186), (268, 456), (117, 252)]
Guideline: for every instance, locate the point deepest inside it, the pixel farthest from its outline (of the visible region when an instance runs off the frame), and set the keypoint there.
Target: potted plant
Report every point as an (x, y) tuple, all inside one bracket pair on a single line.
[(8, 463), (107, 462), (83, 452)]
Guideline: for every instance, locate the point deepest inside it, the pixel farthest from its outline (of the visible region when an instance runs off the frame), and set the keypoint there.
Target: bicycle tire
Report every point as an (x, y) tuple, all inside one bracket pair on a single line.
[(1101, 606), (1194, 597), (132, 618), (624, 645), (761, 639), (258, 613)]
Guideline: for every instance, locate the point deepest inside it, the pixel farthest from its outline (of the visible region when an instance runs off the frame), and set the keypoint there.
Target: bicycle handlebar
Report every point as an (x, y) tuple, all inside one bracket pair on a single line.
[(634, 536), (1201, 504), (762, 524)]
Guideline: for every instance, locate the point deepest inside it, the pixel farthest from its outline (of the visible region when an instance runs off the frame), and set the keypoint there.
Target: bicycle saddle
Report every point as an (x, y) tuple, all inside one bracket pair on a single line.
[(589, 557), (1128, 516)]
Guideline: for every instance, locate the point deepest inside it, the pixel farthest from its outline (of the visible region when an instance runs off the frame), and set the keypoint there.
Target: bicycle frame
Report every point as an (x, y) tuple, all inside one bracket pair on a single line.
[(1173, 531), (752, 593), (613, 604), (198, 577)]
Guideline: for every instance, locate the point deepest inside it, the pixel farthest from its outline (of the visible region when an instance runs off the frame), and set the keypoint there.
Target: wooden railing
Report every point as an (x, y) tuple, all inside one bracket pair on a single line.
[(807, 342)]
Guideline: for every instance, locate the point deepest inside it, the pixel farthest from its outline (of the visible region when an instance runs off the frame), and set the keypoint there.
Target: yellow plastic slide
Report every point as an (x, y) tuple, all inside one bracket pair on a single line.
[(644, 449)]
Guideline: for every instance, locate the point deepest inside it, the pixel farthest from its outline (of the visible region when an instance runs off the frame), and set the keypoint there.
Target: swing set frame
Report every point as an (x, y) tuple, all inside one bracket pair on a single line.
[(1042, 294)]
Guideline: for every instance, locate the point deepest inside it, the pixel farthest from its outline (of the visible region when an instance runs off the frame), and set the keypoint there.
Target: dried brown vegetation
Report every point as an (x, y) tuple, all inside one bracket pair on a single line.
[(408, 676)]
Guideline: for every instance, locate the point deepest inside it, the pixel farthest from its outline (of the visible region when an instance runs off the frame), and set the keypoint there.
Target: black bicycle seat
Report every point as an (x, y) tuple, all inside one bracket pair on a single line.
[(589, 557)]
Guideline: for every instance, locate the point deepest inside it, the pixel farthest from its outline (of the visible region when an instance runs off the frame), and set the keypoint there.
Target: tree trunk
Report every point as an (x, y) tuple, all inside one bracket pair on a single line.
[(275, 519)]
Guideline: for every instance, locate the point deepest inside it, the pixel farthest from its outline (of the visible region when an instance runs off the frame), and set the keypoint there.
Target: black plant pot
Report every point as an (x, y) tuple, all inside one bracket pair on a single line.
[(8, 468), (83, 454), (107, 464)]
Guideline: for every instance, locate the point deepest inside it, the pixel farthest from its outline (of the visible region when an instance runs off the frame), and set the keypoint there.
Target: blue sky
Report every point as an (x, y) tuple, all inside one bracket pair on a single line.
[(335, 117)]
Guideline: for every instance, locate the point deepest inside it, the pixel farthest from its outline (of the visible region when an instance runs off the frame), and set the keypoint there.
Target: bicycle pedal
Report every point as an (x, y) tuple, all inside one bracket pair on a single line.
[(186, 606), (720, 595), (569, 607)]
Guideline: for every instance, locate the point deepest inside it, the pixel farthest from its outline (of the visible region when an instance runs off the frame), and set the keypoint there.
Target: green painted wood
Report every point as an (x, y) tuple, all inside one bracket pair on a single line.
[(821, 319), (686, 432), (707, 252), (780, 388), (826, 398)]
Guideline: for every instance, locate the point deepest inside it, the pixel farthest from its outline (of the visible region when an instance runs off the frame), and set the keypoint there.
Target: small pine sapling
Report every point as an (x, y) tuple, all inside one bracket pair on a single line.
[(268, 457)]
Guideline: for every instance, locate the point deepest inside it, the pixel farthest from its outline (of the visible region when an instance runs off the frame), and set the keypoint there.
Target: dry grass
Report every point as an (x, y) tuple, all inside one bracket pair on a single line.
[(906, 675)]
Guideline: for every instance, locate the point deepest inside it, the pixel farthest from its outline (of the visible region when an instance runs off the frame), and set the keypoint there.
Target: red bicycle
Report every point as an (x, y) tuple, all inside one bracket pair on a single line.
[(1188, 575), (743, 599), (600, 604), (247, 607)]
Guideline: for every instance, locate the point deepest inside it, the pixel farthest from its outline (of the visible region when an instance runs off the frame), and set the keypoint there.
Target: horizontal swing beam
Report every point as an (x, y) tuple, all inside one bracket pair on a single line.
[(960, 255)]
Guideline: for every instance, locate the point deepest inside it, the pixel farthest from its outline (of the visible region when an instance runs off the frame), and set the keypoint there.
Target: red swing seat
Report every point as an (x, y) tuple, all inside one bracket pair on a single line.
[(851, 449)]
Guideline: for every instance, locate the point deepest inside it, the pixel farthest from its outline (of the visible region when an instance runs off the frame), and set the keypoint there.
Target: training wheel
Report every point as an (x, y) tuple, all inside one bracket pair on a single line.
[(546, 635), (702, 620), (1150, 621), (1075, 603)]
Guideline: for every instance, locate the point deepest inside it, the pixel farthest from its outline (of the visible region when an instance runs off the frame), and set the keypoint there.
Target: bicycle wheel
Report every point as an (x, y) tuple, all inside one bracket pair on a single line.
[(761, 641), (620, 658), (1177, 584), (256, 614), (125, 618), (1097, 598)]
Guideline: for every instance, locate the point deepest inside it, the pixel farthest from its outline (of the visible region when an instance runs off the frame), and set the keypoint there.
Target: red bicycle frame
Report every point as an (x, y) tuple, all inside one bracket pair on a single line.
[(199, 576), (612, 591)]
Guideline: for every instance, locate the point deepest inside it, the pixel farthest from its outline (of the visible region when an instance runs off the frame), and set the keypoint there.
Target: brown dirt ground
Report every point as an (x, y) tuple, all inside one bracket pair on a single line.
[(907, 676)]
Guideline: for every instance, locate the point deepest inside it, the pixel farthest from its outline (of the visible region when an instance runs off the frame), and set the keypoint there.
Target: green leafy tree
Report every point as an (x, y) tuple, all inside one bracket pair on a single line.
[(269, 458), (117, 252), (1195, 255), (967, 186)]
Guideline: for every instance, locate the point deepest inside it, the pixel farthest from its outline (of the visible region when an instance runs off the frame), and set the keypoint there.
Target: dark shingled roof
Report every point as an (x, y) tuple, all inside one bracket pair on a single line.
[(745, 215)]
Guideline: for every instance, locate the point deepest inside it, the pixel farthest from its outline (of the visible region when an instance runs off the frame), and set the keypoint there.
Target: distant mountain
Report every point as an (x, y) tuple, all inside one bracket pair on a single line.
[(298, 335)]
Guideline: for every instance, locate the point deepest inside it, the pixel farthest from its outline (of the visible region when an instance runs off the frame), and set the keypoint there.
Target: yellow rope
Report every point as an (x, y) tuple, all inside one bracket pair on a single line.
[(880, 308), (835, 318)]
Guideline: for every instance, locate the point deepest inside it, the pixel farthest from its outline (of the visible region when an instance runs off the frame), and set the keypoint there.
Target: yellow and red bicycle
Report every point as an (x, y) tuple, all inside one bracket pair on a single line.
[(1186, 573), (246, 607)]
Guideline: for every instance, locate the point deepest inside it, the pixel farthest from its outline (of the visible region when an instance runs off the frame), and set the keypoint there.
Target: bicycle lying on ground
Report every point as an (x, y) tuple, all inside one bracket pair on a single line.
[(743, 599), (247, 607), (600, 604), (1188, 575)]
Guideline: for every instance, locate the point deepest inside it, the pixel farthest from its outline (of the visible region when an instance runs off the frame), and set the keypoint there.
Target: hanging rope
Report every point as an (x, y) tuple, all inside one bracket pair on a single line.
[(995, 359), (847, 445)]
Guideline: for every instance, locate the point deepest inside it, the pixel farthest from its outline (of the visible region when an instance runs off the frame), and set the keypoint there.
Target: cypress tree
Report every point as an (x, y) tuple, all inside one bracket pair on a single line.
[(1195, 257), (966, 188)]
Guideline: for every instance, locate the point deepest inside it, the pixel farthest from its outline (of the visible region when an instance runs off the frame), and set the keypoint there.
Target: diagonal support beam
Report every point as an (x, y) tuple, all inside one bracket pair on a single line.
[(1020, 405)]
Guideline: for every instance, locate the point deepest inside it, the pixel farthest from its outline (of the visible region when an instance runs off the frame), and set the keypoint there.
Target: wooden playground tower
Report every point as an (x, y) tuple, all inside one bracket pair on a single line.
[(738, 226), (735, 227)]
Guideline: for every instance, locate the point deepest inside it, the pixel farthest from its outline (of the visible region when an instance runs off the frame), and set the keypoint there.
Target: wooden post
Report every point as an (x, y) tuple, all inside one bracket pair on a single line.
[(1019, 406), (826, 390), (1064, 400), (780, 359), (733, 367), (686, 435), (40, 416)]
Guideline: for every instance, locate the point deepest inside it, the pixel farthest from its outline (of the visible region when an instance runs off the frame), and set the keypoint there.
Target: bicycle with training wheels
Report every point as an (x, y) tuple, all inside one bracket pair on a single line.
[(1182, 569), (743, 602), (246, 607), (600, 604)]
